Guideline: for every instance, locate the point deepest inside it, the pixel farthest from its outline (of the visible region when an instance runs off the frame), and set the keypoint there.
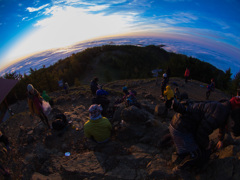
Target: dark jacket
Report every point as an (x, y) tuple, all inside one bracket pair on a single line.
[(201, 119), (103, 101), (94, 87)]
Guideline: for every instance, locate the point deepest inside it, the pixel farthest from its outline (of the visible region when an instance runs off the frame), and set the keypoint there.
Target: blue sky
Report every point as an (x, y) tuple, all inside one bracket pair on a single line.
[(30, 26)]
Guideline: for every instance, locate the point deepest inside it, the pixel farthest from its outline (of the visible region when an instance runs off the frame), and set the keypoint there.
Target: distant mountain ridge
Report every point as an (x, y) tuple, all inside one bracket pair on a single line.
[(50, 57), (116, 62)]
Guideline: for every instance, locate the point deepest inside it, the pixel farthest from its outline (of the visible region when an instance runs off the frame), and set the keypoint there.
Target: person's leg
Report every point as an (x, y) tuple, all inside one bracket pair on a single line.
[(187, 149)]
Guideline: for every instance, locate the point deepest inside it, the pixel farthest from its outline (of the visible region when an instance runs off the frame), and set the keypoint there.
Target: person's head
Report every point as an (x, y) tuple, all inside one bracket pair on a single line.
[(95, 111), (164, 75), (30, 88), (234, 122), (168, 87), (95, 79), (212, 80)]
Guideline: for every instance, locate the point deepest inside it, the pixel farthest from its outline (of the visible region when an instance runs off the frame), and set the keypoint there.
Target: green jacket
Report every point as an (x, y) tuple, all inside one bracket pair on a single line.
[(99, 129), (45, 96)]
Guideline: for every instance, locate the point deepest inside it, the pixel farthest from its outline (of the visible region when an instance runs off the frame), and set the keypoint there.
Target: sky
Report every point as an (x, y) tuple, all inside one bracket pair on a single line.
[(31, 26)]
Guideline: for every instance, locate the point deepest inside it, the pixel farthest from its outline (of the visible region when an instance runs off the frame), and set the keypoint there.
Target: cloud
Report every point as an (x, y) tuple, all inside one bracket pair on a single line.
[(31, 9)]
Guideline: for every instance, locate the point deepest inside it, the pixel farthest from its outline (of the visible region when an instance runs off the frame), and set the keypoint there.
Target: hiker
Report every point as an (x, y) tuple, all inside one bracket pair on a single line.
[(164, 83), (177, 93), (132, 100), (66, 87), (191, 126), (35, 104), (235, 101), (168, 103), (210, 88), (97, 128), (101, 98), (168, 72), (47, 98), (94, 86), (186, 75), (4, 140), (126, 93)]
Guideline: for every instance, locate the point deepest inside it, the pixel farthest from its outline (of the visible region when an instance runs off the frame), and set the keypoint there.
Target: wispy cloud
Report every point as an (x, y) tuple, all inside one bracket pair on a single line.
[(32, 9)]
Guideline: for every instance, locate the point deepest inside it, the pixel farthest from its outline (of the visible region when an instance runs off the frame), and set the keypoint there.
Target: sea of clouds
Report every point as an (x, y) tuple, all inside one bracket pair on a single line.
[(49, 57)]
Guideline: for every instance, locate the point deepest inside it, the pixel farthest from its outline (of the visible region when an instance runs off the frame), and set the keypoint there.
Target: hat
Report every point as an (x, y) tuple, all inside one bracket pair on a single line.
[(165, 75), (30, 87), (95, 111), (124, 88)]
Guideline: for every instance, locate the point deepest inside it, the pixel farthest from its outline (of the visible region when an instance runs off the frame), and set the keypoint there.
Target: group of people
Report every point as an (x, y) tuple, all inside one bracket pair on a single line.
[(189, 128), (98, 128)]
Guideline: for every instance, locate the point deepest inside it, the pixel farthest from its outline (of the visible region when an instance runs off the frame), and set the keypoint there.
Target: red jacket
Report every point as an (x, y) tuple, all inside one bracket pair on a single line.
[(187, 73), (235, 102)]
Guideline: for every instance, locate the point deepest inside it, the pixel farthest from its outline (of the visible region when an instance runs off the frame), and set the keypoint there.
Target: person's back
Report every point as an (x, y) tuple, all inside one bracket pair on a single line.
[(97, 127), (191, 126), (169, 93)]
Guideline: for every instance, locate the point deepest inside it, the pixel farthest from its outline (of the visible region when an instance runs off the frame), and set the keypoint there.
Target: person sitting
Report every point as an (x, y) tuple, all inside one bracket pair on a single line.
[(126, 93), (132, 100), (97, 128), (191, 126), (169, 96), (210, 88), (101, 98)]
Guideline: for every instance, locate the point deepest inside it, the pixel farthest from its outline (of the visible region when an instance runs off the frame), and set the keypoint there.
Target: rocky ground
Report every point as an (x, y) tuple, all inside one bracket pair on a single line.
[(132, 153)]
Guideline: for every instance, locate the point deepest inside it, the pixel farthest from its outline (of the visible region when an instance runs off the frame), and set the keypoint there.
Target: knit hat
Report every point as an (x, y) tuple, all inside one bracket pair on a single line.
[(95, 111), (30, 87)]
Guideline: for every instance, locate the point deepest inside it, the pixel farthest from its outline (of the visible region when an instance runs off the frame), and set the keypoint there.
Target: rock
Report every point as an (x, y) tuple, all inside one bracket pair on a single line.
[(159, 109), (134, 114), (38, 176)]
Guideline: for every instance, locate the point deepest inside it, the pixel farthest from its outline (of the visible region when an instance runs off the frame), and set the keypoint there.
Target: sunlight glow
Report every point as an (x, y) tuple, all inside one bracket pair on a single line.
[(67, 26)]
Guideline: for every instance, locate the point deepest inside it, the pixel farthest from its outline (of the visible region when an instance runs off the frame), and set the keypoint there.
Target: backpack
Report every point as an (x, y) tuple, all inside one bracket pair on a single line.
[(60, 123)]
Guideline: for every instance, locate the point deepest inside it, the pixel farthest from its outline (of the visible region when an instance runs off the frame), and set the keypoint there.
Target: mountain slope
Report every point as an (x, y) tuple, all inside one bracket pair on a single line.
[(133, 153)]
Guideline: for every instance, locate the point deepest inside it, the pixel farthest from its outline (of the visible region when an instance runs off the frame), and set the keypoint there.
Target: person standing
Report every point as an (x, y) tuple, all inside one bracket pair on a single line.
[(164, 83), (94, 86), (210, 88), (35, 104), (186, 75)]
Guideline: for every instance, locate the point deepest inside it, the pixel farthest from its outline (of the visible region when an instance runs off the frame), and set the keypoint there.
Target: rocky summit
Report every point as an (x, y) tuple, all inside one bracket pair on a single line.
[(134, 151)]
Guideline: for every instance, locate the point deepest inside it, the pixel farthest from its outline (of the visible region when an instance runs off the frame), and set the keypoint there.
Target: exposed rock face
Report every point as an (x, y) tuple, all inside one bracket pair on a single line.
[(133, 152)]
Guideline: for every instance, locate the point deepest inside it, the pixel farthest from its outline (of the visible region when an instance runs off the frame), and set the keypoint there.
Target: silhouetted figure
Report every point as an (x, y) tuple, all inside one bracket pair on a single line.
[(186, 75)]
